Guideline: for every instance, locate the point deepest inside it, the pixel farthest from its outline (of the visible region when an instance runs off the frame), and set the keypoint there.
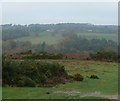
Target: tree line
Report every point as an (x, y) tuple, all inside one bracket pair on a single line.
[(109, 56), (10, 31), (73, 44)]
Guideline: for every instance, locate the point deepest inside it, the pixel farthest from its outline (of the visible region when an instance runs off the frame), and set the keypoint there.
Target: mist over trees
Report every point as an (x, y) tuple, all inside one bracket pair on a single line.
[(72, 43), (76, 44), (14, 31)]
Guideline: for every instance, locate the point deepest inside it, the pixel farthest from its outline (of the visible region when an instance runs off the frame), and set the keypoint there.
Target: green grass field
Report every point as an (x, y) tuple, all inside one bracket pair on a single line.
[(42, 37), (50, 39), (104, 87), (113, 36)]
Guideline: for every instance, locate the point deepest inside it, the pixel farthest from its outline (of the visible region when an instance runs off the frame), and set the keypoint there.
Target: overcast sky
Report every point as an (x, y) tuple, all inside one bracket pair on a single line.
[(89, 12)]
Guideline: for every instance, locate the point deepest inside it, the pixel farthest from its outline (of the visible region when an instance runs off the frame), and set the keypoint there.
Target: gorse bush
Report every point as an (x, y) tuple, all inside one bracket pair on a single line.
[(32, 73), (94, 77), (78, 77), (105, 55), (25, 81)]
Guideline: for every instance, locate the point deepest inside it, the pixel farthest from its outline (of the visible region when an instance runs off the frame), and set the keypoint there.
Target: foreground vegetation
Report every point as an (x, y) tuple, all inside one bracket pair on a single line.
[(104, 87), (29, 73)]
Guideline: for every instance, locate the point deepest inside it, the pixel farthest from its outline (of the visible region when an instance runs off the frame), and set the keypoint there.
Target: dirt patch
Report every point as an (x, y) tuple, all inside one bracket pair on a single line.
[(93, 94), (98, 94), (68, 93)]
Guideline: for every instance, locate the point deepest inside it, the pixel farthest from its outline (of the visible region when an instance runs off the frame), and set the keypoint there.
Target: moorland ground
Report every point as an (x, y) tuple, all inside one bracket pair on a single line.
[(104, 87)]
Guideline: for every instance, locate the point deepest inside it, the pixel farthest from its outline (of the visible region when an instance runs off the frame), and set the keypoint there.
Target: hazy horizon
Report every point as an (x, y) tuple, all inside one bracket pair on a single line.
[(60, 23), (52, 13)]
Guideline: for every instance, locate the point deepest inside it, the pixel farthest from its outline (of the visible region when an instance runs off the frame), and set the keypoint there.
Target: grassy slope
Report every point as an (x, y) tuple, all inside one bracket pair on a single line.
[(106, 85), (113, 36), (43, 37), (48, 38)]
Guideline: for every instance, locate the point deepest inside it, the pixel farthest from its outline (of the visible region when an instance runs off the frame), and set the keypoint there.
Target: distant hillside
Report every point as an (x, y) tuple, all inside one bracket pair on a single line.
[(10, 31), (64, 38)]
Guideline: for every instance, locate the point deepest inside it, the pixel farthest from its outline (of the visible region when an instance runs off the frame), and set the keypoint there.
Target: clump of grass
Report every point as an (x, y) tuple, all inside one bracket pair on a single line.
[(78, 77), (94, 77)]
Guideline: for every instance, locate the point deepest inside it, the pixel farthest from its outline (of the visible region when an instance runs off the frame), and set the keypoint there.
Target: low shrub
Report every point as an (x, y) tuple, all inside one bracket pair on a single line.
[(94, 77), (25, 81), (108, 56), (78, 77), (31, 73)]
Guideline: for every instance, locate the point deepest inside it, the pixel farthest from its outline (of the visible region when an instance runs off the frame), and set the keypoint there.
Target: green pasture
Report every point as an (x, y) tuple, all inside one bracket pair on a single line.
[(104, 87), (43, 37), (106, 36), (51, 39)]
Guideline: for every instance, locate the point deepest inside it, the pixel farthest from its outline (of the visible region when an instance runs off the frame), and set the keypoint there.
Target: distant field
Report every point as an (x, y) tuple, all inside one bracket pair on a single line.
[(113, 36), (50, 39), (104, 87), (42, 37)]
